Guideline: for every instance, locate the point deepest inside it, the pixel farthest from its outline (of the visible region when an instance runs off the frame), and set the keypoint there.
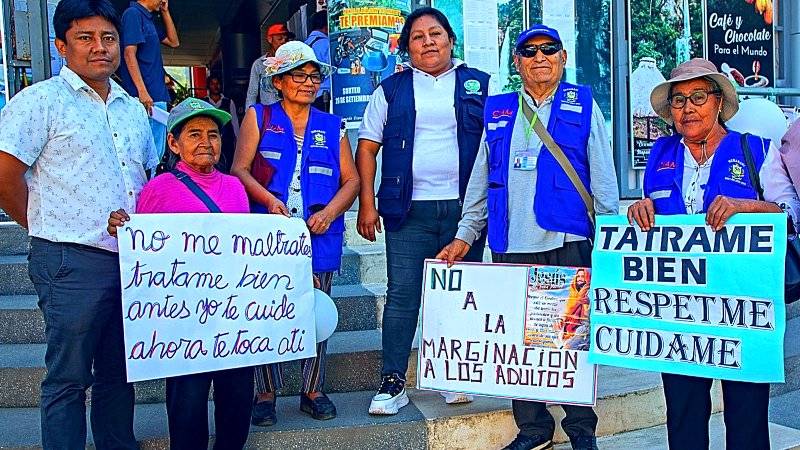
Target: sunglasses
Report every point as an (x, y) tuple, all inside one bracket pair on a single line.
[(301, 77), (698, 98), (547, 48)]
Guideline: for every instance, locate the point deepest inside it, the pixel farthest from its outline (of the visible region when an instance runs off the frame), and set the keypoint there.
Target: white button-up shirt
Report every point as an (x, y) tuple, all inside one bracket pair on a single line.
[(435, 158), (87, 157)]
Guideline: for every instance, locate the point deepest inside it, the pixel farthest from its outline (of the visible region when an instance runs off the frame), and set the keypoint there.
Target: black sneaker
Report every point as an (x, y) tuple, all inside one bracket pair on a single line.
[(263, 413), (583, 443), (523, 442), (320, 408), (390, 397)]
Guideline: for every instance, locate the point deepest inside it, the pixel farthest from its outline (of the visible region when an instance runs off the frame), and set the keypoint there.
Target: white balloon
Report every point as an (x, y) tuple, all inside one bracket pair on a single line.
[(326, 315), (760, 117)]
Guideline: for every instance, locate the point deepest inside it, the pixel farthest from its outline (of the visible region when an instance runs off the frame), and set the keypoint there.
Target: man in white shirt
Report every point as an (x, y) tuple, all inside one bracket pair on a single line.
[(72, 149), (230, 132)]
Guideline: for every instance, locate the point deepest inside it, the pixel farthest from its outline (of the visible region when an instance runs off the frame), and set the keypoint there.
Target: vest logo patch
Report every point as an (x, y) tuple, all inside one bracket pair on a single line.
[(472, 87), (736, 170), (277, 129), (571, 96), (666, 165), (500, 113), (319, 138)]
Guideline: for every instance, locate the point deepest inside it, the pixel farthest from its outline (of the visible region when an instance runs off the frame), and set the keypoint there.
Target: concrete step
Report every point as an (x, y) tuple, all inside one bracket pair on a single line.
[(353, 364), (655, 438), (353, 429), (628, 400), (360, 265), (13, 239), (360, 308)]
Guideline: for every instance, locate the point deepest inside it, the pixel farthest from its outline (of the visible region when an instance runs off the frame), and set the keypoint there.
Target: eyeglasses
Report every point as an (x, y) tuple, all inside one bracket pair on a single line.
[(547, 48), (698, 98), (301, 77)]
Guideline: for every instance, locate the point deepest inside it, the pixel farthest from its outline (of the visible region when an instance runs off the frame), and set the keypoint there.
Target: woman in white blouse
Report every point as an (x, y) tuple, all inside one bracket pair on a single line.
[(428, 121)]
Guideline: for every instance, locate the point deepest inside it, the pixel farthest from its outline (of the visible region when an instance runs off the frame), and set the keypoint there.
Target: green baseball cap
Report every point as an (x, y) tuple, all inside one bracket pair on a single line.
[(193, 107)]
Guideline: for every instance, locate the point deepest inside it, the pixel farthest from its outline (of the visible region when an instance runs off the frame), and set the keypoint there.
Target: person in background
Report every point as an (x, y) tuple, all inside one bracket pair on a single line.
[(257, 89), (230, 131), (195, 143), (142, 73), (315, 180), (318, 41), (73, 148), (690, 173), (428, 120), (533, 211)]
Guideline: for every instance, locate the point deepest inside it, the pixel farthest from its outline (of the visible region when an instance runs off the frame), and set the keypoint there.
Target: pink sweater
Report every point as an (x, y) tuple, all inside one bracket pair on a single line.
[(165, 194)]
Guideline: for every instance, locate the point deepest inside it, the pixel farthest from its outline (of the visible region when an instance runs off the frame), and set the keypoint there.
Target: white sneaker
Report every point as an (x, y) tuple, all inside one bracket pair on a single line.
[(452, 398), (390, 397)]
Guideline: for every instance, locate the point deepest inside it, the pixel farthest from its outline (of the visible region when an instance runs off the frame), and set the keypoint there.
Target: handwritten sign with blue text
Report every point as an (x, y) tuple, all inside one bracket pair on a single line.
[(204, 292), (503, 330), (683, 299)]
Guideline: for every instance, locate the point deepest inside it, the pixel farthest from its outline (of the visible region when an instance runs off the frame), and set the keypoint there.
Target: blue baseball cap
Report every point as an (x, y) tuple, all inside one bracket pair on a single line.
[(537, 30)]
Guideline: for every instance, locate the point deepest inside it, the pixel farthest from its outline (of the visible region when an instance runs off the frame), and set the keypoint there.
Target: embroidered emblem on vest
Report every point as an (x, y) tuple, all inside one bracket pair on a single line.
[(472, 87)]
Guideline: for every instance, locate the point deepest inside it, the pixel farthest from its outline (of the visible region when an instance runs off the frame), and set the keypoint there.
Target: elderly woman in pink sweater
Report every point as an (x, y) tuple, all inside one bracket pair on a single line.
[(194, 185)]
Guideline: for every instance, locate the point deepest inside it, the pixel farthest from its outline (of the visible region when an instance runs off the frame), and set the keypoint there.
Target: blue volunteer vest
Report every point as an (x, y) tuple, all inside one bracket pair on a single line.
[(557, 204), (395, 191), (663, 176), (319, 174)]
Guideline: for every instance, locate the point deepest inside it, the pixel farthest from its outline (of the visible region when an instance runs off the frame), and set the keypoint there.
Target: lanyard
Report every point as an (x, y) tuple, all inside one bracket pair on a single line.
[(531, 117)]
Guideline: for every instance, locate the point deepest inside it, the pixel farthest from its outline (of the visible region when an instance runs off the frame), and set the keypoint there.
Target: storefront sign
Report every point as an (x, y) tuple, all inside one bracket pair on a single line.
[(502, 330), (684, 299), (740, 40), (363, 37)]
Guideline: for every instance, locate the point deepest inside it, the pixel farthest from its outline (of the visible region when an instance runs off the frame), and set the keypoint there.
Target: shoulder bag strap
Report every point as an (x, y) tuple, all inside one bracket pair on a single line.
[(751, 166), (551, 145), (266, 117), (189, 183)]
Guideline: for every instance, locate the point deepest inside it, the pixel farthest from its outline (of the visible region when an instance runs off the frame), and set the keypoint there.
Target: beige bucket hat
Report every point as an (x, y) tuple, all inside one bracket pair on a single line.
[(695, 68)]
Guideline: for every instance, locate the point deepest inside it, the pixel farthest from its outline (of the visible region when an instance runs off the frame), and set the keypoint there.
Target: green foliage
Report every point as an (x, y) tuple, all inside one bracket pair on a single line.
[(655, 27)]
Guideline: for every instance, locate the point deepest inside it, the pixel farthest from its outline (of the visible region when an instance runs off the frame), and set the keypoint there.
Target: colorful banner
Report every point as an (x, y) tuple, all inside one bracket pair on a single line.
[(682, 299), (198, 296), (363, 37), (740, 40), (504, 330)]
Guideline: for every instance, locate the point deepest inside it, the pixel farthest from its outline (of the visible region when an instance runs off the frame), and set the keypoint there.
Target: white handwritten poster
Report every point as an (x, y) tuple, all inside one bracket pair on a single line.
[(204, 292), (504, 330)]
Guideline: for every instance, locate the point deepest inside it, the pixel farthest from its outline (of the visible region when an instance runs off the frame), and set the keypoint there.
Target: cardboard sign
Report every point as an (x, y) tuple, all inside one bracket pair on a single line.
[(683, 299), (204, 292), (504, 330)]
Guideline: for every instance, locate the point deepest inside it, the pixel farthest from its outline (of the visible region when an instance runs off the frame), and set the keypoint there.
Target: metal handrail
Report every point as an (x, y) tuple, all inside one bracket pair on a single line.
[(769, 92)]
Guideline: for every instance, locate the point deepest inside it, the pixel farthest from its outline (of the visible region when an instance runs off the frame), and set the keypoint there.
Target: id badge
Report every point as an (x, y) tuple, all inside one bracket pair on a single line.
[(525, 160)]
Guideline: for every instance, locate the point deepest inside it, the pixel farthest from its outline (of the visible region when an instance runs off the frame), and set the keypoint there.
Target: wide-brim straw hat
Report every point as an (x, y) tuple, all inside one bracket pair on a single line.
[(690, 70), (289, 56)]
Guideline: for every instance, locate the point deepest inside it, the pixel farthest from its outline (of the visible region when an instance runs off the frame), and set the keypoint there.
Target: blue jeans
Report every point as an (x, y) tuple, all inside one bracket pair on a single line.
[(159, 131), (429, 227), (80, 298)]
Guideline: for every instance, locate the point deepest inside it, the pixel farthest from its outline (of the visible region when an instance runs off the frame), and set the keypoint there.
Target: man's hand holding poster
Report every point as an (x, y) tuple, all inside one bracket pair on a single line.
[(203, 292), (502, 330), (683, 299)]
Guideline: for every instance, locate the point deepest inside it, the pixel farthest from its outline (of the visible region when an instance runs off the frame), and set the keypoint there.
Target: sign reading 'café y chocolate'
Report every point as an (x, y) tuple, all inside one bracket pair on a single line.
[(740, 40)]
